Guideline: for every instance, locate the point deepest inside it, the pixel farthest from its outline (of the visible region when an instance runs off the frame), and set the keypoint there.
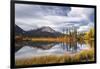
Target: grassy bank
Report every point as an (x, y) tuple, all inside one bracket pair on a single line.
[(59, 39), (83, 56), (50, 39)]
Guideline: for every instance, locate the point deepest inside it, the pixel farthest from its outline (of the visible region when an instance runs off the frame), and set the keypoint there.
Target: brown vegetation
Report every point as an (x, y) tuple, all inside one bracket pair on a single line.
[(83, 56)]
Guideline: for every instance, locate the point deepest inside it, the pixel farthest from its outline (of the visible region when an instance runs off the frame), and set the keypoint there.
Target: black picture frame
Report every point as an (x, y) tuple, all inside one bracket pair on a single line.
[(12, 14)]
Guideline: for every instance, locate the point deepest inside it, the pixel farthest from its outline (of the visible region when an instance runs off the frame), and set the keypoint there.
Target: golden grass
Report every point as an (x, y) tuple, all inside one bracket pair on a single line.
[(50, 39), (87, 54), (83, 56), (41, 60)]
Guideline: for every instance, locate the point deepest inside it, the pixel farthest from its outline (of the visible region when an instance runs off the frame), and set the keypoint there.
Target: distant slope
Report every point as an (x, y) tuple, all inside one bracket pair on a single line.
[(40, 32), (18, 30)]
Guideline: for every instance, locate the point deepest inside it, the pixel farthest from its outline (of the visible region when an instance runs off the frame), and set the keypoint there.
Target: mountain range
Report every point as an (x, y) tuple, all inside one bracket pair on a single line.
[(45, 31)]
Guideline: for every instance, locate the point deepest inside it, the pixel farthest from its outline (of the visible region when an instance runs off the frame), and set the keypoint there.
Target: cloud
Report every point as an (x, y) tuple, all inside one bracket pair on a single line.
[(34, 16), (85, 28), (86, 15), (25, 10)]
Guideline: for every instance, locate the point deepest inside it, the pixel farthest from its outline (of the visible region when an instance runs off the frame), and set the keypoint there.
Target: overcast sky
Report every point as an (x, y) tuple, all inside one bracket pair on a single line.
[(30, 17)]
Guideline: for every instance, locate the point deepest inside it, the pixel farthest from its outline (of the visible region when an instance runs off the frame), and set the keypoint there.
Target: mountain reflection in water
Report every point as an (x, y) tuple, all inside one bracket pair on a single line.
[(30, 49)]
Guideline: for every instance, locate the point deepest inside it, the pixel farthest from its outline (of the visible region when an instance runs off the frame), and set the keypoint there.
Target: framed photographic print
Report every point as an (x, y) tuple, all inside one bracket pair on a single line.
[(49, 34)]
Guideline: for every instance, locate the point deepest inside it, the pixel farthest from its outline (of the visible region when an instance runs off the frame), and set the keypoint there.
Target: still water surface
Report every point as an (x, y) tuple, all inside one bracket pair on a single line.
[(30, 49)]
